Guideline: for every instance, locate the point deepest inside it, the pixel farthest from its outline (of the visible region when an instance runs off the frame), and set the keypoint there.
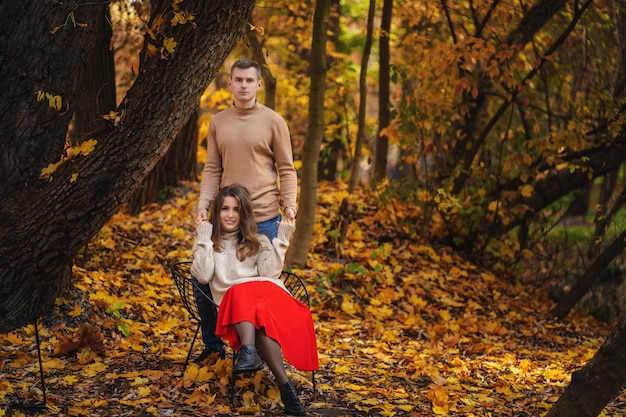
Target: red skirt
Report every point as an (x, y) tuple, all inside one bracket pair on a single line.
[(284, 318)]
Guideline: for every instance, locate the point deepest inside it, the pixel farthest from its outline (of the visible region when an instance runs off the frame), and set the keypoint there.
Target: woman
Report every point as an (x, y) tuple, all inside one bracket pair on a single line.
[(256, 311)]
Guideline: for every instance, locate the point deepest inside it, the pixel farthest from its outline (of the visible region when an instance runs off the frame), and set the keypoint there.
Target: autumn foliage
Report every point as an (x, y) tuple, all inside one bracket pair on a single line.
[(500, 111), (404, 328)]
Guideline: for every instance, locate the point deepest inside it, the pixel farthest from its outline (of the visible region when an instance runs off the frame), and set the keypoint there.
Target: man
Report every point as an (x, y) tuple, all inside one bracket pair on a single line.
[(248, 144)]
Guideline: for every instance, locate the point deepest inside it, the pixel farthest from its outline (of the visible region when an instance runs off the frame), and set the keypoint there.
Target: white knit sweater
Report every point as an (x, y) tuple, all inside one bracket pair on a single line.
[(222, 270)]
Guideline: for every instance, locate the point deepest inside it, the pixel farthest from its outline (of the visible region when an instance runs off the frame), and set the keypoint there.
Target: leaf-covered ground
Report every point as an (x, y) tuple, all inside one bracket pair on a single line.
[(403, 329)]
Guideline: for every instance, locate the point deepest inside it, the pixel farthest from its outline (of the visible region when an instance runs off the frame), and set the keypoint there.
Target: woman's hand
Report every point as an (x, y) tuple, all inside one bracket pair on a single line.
[(290, 221)]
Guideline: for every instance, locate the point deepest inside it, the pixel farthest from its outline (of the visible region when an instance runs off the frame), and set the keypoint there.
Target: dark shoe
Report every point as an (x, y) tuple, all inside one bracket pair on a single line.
[(289, 396), (248, 360), (208, 352)]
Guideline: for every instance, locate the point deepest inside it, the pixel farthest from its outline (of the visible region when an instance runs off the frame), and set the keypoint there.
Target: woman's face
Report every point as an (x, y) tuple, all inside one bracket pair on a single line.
[(229, 214)]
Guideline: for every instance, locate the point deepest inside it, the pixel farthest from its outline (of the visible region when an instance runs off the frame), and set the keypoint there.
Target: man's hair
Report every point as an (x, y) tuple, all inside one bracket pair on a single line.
[(245, 63)]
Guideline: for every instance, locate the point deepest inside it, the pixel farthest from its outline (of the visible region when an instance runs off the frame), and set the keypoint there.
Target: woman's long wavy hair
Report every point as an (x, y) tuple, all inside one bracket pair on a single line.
[(247, 242)]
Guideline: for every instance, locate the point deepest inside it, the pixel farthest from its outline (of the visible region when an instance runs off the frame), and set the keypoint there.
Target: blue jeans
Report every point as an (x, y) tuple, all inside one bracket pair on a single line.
[(207, 311), (269, 227), (208, 314)]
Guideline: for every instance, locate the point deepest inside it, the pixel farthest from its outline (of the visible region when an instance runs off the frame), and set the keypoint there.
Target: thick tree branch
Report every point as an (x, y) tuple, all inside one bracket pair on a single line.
[(584, 283)]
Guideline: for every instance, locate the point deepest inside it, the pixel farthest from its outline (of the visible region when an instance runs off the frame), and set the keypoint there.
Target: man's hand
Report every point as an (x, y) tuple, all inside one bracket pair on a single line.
[(290, 214), (201, 216)]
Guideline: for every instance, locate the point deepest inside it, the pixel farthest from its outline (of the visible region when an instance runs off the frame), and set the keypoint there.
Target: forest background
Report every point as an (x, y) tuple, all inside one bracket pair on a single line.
[(469, 166)]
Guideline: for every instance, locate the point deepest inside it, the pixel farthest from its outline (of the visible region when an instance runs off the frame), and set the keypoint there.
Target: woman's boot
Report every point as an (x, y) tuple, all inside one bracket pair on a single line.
[(289, 396), (248, 360)]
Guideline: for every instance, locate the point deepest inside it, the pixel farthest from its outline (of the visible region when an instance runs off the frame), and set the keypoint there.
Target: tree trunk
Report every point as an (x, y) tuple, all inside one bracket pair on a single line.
[(599, 382), (97, 97), (179, 164), (334, 148), (580, 204), (301, 240), (345, 212), (268, 78), (360, 136), (382, 141), (585, 282), (46, 219)]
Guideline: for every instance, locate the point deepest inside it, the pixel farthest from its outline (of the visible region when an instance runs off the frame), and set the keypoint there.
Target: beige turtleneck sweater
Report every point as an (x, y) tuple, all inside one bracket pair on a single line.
[(222, 270), (251, 147)]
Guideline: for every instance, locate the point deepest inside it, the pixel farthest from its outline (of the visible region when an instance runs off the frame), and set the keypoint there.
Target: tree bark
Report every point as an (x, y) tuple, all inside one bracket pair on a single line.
[(179, 164), (44, 221), (334, 149), (382, 141), (301, 240), (98, 96), (599, 382), (579, 206)]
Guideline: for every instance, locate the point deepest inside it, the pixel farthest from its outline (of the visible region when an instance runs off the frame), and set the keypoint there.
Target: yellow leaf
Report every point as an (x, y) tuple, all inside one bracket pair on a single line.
[(74, 177), (156, 25), (178, 19), (94, 369), (111, 116), (445, 314), (14, 339), (205, 375), (169, 44), (55, 102), (108, 243), (70, 379), (381, 312), (54, 364), (86, 147), (139, 381), (86, 356), (50, 169), (371, 401), (493, 206), (527, 190), (440, 411), (77, 411), (273, 393), (348, 306), (192, 372), (488, 276), (152, 50), (76, 311), (417, 301), (346, 370)]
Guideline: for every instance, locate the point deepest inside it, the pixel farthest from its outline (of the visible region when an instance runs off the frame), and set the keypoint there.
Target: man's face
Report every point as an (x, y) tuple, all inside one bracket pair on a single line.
[(244, 85)]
